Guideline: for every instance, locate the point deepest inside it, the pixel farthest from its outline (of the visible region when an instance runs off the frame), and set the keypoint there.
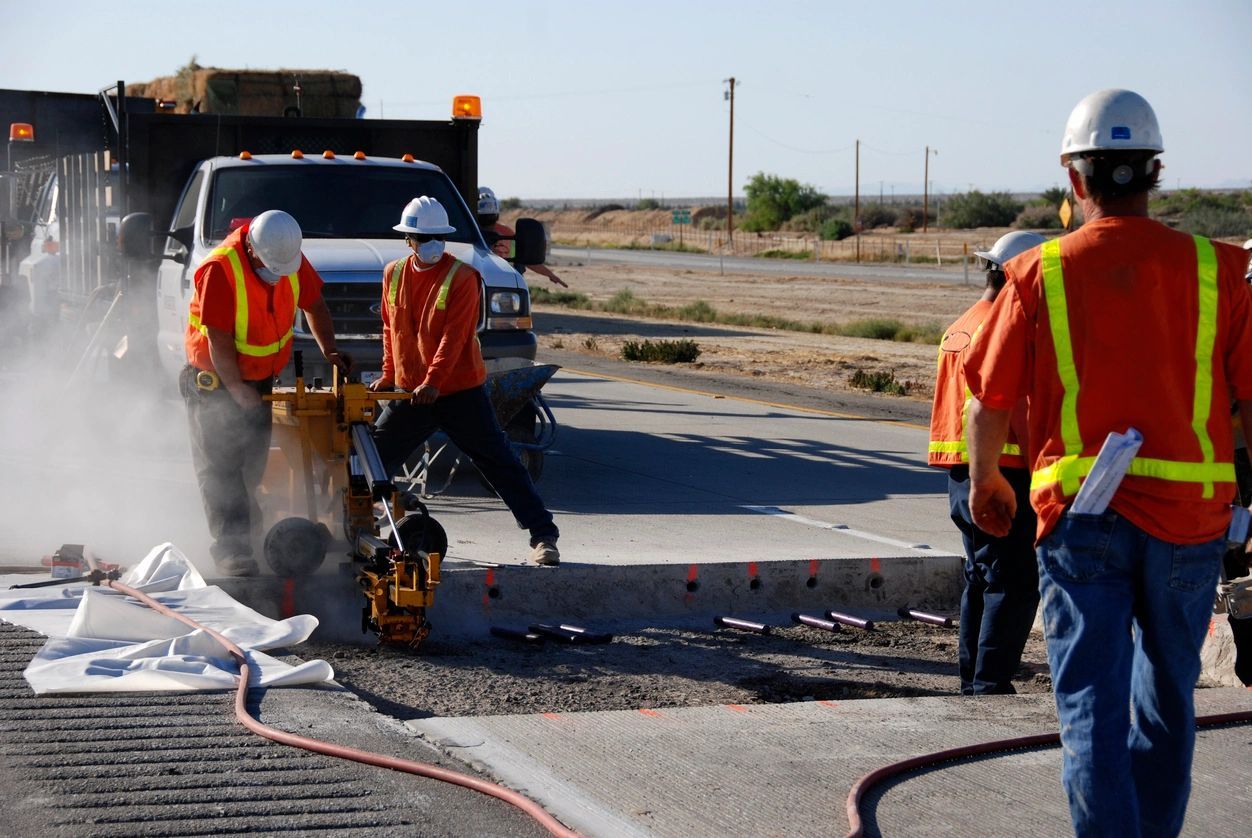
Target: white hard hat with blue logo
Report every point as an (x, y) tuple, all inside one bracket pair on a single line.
[(1111, 120), (424, 216)]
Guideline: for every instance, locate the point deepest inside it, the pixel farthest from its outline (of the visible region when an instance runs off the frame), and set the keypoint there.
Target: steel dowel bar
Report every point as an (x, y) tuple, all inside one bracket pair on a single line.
[(923, 617), (849, 620), (816, 622), (741, 625)]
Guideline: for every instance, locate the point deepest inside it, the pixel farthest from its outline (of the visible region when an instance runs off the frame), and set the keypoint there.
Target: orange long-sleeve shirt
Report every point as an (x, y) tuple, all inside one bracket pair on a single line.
[(430, 336)]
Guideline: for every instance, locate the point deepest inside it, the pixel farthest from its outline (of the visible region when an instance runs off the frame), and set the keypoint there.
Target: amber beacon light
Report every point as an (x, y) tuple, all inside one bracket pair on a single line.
[(21, 132), (467, 107)]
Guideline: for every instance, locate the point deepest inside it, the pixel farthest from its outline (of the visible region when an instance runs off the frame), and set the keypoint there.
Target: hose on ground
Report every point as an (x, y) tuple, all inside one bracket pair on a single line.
[(421, 769), (856, 827)]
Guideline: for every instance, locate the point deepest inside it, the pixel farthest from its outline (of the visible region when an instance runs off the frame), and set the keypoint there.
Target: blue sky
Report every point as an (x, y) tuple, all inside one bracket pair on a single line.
[(622, 100)]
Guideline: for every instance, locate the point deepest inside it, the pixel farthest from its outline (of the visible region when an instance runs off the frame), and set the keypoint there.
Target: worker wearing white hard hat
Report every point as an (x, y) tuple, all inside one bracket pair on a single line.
[(430, 309), (1001, 591), (501, 238), (1131, 337), (233, 355)]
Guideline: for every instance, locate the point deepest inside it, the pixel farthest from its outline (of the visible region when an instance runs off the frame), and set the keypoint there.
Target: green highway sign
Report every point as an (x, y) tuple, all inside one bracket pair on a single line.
[(682, 216)]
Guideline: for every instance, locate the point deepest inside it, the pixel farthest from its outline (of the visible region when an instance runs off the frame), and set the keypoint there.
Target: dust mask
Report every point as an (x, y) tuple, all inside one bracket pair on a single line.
[(429, 252)]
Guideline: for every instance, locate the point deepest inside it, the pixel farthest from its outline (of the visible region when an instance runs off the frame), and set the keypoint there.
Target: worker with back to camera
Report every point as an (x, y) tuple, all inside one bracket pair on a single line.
[(431, 305), (1001, 580), (1123, 324), (500, 237), (1235, 564), (239, 332)]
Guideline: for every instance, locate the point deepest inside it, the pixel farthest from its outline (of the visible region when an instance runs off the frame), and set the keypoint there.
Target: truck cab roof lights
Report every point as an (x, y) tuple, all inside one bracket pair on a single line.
[(297, 154), (408, 158), (465, 106), (360, 155), (328, 155), (21, 132), (245, 155)]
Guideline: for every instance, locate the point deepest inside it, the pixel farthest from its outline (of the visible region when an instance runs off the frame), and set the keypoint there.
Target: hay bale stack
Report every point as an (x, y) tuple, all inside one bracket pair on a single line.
[(323, 93)]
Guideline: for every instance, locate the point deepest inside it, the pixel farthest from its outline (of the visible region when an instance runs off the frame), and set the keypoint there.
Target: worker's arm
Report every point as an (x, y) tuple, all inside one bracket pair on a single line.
[(323, 329), (544, 270), (387, 379), (226, 363), (992, 503)]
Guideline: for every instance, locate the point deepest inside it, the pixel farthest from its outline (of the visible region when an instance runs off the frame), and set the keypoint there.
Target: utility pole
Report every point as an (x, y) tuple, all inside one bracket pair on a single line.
[(730, 166), (856, 205), (926, 191)]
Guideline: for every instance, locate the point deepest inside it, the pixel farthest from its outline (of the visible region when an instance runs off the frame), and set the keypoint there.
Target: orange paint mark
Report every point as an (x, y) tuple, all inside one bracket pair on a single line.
[(692, 572), (752, 569), (1212, 627), (874, 565), (488, 582), (288, 606), (829, 703), (553, 716), (648, 712), (812, 567), (738, 708)]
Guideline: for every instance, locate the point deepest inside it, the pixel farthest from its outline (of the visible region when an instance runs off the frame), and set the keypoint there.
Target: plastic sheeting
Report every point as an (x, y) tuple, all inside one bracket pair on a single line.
[(102, 641)]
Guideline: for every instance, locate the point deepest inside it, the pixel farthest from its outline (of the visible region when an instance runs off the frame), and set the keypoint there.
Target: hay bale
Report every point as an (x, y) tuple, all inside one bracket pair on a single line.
[(323, 93)]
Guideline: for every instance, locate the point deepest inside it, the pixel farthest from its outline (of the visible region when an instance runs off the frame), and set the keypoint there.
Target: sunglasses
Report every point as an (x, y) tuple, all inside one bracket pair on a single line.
[(422, 238)]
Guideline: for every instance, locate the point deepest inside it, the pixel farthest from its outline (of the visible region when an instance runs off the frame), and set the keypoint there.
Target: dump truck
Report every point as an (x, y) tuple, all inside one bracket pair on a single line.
[(170, 186)]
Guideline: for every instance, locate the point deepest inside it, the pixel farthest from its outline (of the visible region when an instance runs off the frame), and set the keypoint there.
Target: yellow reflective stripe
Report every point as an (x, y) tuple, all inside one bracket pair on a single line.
[(1205, 338), (441, 302), (241, 309), (958, 446), (1075, 468), (1058, 321), (394, 288)]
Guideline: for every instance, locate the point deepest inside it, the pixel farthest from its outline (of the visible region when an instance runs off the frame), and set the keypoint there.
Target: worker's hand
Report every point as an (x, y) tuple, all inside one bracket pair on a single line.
[(992, 504), (558, 281), (340, 359), (382, 384), (244, 396), (425, 394)]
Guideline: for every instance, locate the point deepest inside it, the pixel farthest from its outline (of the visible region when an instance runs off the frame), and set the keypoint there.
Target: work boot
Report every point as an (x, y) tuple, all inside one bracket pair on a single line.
[(238, 566), (545, 554)]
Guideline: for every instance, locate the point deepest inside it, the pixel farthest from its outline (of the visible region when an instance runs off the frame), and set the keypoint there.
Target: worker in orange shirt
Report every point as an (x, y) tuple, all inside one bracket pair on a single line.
[(500, 237), (1001, 583), (431, 305), (1122, 324), (239, 331)]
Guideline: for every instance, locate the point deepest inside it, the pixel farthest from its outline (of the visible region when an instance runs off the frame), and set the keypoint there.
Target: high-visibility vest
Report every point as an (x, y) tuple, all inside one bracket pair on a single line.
[(441, 301), (1069, 469), (257, 360)]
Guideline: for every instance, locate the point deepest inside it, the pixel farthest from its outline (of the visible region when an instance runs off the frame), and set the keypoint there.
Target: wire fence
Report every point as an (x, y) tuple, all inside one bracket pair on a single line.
[(942, 249)]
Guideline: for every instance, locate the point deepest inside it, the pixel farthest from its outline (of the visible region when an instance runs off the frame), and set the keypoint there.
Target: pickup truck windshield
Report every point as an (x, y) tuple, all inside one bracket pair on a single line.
[(330, 201)]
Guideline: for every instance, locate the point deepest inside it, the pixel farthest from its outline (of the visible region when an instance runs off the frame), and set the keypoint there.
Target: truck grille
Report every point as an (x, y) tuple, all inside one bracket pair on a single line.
[(354, 308)]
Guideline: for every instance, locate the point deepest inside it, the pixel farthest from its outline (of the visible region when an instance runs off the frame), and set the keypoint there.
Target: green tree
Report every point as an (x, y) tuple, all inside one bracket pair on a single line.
[(773, 200), (978, 209), (1053, 196)]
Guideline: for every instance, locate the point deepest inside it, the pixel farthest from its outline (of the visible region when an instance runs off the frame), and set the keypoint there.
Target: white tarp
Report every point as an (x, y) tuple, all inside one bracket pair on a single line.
[(101, 641)]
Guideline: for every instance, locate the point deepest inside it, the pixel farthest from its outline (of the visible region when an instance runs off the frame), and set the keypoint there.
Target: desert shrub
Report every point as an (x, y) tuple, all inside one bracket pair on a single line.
[(877, 215), (1038, 217), (836, 229), (1205, 213), (980, 209), (573, 299), (876, 328), (510, 204), (879, 381), (601, 210), (783, 253), (698, 312), (1053, 196), (664, 351), (811, 220), (907, 219), (773, 200), (625, 302), (1216, 222), (648, 204)]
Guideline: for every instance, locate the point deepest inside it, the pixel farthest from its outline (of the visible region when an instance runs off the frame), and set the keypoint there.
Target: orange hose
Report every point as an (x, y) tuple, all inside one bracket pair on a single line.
[(422, 769)]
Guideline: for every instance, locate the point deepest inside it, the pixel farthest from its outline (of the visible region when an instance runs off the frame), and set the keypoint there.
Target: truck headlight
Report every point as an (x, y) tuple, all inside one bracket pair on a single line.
[(506, 302)]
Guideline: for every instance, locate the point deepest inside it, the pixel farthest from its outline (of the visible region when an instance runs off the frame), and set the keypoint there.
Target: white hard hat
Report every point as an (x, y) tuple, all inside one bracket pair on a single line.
[(488, 204), (276, 239), (1247, 245), (1010, 245), (424, 216), (1111, 120)]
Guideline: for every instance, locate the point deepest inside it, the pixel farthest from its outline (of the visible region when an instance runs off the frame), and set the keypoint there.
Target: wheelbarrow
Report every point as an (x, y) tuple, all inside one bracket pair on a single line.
[(513, 387)]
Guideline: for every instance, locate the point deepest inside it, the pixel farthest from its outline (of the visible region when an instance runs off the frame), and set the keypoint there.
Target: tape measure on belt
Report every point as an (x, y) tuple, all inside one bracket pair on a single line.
[(207, 380)]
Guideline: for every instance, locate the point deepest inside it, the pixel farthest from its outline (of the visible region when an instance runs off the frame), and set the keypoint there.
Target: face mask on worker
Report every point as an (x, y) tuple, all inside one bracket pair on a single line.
[(429, 252), (267, 275)]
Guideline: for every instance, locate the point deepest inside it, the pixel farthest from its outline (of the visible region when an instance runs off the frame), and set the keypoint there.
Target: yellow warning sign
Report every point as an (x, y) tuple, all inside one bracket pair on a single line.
[(1066, 213)]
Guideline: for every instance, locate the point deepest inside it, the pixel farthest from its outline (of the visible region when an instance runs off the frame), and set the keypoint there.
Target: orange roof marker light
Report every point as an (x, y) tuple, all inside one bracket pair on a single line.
[(360, 155), (21, 132), (408, 158), (328, 154), (297, 154), (466, 106), (245, 155)]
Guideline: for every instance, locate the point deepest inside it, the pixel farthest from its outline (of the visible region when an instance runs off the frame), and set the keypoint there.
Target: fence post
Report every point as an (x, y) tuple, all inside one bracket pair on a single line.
[(938, 254), (965, 261)]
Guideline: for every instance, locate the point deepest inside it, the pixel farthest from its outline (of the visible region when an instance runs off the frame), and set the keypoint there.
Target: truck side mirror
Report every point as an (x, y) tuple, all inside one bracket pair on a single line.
[(532, 242), (134, 236)]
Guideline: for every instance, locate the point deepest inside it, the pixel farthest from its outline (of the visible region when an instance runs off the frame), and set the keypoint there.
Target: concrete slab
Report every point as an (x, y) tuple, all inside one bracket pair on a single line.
[(785, 769)]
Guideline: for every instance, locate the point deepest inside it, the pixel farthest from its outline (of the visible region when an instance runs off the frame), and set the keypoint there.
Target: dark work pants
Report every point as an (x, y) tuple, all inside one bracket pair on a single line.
[(1235, 564), (1001, 588), (229, 447), (470, 422)]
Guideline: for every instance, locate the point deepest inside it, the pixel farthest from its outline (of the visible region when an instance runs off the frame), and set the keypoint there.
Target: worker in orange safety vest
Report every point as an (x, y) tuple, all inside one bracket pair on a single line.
[(500, 237), (1124, 324), (1001, 591), (239, 331)]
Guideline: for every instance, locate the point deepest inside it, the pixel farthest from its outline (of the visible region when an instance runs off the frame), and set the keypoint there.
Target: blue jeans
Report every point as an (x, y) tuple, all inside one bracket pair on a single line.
[(1001, 589), (470, 422), (1125, 615)]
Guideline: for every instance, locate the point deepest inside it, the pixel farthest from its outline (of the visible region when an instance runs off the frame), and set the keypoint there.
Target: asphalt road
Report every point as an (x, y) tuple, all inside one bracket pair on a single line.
[(735, 264)]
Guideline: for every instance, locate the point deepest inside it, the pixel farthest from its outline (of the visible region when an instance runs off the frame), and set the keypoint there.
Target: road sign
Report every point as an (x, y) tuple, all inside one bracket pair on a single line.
[(1065, 213), (681, 216)]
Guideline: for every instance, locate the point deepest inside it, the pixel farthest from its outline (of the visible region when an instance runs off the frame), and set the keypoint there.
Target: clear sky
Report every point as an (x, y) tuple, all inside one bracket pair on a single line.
[(625, 100)]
